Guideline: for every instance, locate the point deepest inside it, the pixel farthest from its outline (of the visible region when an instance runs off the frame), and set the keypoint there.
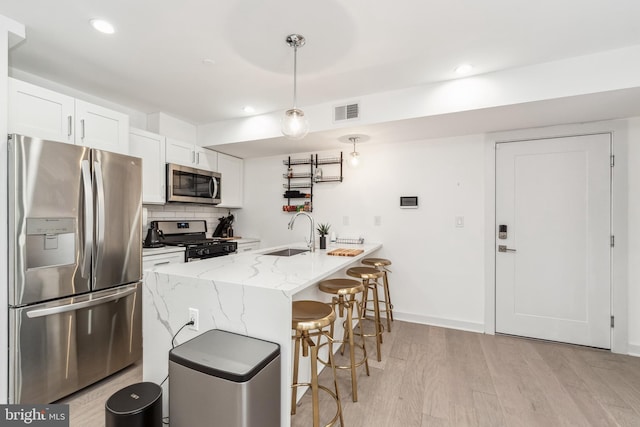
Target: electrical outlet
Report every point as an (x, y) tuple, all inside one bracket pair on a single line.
[(193, 315)]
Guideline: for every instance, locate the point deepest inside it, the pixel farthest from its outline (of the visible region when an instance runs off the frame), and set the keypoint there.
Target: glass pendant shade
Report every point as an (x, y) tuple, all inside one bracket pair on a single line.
[(354, 160), (294, 124)]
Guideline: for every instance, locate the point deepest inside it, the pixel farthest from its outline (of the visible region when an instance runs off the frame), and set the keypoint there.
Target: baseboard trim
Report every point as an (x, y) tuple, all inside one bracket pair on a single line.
[(633, 349), (440, 321)]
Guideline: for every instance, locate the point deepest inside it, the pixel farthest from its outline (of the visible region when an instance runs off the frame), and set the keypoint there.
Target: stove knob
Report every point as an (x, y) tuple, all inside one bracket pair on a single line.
[(200, 252)]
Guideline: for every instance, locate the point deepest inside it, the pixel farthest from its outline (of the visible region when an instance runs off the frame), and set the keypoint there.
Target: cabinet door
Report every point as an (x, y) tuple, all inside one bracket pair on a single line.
[(151, 262), (232, 192), (181, 153), (206, 159), (101, 128), (151, 148), (40, 113)]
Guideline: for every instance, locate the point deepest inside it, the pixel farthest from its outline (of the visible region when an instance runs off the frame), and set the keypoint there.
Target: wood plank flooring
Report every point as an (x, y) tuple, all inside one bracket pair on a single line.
[(438, 377), (431, 376)]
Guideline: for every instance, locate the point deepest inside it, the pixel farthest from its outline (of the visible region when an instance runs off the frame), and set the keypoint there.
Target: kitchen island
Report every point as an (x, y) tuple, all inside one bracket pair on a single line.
[(247, 293)]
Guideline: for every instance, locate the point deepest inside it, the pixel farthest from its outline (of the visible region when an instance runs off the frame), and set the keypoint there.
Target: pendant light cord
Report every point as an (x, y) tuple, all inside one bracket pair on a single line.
[(295, 76)]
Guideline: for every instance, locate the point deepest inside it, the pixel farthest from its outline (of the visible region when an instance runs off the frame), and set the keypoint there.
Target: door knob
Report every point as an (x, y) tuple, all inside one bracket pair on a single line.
[(504, 248)]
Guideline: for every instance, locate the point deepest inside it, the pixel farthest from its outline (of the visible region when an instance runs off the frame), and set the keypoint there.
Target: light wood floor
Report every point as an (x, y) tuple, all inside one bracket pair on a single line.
[(432, 376), (86, 407)]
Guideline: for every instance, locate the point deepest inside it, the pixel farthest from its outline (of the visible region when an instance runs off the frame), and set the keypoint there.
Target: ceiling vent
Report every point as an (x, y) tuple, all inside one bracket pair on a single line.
[(346, 112)]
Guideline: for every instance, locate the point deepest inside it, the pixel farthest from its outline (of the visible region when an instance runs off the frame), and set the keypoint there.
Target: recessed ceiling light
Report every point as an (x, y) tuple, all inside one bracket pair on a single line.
[(207, 61), (102, 26), (464, 69), (248, 109)]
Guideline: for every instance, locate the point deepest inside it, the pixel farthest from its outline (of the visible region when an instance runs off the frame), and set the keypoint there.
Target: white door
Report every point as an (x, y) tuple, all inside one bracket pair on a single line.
[(553, 280)]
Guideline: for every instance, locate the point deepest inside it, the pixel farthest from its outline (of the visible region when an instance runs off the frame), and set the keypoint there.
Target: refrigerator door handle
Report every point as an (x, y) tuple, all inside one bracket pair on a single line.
[(88, 219), (42, 312), (100, 215)]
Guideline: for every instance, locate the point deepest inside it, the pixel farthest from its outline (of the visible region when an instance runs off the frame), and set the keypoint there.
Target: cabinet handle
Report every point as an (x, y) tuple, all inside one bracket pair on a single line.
[(82, 128), (197, 158), (69, 126), (193, 157), (162, 263)]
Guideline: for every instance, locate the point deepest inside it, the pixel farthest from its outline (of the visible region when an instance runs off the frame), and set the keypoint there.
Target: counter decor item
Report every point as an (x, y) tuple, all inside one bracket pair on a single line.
[(323, 230)]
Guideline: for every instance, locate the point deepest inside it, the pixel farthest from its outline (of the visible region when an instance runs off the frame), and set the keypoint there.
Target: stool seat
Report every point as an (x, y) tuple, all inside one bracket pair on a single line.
[(376, 262), (307, 315), (364, 273), (341, 286)]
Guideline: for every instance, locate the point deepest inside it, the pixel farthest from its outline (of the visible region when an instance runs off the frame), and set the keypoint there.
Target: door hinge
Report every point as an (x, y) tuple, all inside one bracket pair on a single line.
[(612, 321), (613, 160), (613, 241)]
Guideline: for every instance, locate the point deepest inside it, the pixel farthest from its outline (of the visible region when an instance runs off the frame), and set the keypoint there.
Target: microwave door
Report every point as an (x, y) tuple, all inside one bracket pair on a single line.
[(48, 216)]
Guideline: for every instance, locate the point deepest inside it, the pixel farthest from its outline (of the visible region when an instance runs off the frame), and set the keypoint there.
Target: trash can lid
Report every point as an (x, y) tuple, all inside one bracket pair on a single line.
[(134, 398), (225, 355)]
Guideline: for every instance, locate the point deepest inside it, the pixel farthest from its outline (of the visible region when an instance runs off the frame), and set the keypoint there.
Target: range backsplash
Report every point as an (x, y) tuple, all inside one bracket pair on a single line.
[(186, 211)]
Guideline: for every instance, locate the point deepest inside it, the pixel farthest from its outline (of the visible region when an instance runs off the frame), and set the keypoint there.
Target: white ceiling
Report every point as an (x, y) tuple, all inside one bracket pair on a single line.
[(356, 47)]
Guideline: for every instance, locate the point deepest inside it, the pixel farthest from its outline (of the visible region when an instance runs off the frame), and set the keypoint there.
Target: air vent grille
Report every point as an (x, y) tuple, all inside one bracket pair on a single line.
[(346, 112)]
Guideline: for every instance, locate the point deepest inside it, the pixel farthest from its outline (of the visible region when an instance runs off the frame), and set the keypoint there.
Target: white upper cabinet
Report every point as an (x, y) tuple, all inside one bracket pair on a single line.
[(232, 181), (187, 154), (151, 148), (42, 113), (101, 128)]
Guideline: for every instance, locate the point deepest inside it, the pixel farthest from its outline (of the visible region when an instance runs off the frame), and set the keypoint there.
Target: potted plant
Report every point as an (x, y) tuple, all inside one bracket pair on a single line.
[(323, 230)]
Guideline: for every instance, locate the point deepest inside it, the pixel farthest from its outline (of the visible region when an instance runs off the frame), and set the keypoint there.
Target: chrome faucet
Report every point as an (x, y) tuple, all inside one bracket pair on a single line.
[(312, 235)]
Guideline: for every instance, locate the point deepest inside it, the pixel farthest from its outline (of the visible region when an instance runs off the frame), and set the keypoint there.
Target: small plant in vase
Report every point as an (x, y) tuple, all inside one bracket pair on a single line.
[(323, 230)]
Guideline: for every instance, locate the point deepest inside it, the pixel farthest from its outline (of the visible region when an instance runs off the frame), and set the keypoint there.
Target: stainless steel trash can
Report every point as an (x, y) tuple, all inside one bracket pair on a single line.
[(224, 379), (137, 405)]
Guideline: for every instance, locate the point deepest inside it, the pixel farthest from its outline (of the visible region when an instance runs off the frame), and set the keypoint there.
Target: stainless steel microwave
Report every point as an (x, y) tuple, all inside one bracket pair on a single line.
[(189, 185)]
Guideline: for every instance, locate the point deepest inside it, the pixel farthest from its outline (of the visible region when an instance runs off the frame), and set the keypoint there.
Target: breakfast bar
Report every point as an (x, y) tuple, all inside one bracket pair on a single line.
[(247, 293)]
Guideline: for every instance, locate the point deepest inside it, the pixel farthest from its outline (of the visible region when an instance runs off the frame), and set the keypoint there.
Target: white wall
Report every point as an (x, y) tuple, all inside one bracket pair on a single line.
[(438, 269), (8, 29), (634, 235)]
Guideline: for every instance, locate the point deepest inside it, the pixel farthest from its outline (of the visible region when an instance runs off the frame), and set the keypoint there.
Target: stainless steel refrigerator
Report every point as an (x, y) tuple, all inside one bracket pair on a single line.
[(75, 265)]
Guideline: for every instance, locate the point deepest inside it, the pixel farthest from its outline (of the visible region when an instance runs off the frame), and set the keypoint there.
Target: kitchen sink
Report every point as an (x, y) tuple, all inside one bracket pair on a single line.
[(287, 252)]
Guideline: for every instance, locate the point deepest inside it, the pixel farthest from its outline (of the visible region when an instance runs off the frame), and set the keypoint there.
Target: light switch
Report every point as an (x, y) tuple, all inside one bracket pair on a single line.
[(377, 220), (460, 222), (345, 220)]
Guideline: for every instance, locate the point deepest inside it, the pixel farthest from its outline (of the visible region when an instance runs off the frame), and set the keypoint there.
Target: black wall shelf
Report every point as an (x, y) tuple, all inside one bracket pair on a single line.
[(299, 178)]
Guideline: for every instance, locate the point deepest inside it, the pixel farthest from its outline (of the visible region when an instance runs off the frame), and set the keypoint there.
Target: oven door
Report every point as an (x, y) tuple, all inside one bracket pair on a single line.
[(189, 185)]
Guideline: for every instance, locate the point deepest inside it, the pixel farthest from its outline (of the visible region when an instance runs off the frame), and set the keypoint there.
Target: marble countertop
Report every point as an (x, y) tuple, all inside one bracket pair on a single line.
[(286, 274)]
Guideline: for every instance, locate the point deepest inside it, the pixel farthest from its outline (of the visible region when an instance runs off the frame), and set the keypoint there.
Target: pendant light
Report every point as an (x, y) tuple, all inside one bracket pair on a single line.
[(354, 157), (294, 123)]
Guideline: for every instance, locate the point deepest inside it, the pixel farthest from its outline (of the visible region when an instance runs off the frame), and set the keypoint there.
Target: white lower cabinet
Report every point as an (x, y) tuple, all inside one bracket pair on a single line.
[(151, 262), (151, 148), (248, 246)]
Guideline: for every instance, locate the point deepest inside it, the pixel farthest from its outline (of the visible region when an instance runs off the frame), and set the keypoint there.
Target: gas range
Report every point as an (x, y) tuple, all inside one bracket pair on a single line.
[(191, 234)]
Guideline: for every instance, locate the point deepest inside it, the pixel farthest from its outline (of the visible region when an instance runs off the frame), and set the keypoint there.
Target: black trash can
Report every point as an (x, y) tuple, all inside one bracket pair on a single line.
[(137, 405), (222, 379)]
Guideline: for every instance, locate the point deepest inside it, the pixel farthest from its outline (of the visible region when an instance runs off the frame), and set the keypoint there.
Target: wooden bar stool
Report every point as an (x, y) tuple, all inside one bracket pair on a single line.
[(381, 265), (345, 292), (369, 277), (309, 318)]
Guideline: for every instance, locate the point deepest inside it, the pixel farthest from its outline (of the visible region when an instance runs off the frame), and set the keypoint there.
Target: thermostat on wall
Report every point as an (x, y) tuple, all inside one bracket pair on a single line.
[(409, 202)]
